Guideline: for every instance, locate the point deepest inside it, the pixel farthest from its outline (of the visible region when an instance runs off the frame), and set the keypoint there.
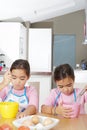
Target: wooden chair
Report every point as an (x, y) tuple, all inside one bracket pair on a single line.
[(37, 86)]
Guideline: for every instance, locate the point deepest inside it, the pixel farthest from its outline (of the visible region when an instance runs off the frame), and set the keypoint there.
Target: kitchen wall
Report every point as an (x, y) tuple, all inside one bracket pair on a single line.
[(72, 23)]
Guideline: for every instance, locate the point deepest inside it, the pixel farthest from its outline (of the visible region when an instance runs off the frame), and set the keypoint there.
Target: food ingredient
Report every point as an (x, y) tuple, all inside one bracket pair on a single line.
[(35, 119), (27, 123), (1, 128), (23, 128), (47, 121), (5, 127)]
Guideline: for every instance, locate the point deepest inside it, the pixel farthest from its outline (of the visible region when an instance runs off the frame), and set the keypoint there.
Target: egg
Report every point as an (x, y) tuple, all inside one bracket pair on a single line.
[(27, 123), (35, 119), (47, 121)]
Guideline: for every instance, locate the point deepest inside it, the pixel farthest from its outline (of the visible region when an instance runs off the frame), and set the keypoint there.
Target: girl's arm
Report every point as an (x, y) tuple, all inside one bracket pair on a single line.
[(59, 110), (30, 110), (6, 79), (33, 103), (47, 109)]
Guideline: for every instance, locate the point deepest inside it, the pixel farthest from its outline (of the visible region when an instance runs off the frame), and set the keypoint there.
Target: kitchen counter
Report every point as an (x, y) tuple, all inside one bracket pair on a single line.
[(80, 76), (79, 123), (32, 73), (80, 70)]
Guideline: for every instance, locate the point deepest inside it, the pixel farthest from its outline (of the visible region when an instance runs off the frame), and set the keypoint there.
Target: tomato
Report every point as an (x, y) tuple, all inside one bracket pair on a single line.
[(5, 127), (23, 128), (1, 128)]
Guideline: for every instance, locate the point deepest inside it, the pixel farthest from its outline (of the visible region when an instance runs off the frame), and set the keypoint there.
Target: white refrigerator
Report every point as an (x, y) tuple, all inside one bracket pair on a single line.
[(40, 49)]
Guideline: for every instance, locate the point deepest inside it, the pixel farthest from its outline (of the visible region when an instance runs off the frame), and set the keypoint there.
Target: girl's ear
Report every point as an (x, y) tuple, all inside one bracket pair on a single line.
[(28, 77)]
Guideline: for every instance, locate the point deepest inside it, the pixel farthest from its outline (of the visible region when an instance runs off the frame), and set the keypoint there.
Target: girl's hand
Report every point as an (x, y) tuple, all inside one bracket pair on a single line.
[(46, 109), (30, 110), (63, 111), (7, 78), (21, 114), (86, 87)]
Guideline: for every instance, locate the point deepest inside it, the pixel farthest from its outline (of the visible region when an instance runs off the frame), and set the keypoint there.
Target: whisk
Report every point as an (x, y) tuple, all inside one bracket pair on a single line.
[(81, 93)]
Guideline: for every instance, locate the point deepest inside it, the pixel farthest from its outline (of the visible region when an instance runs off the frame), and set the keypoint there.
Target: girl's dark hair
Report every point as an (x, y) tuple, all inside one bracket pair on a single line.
[(63, 71), (21, 64)]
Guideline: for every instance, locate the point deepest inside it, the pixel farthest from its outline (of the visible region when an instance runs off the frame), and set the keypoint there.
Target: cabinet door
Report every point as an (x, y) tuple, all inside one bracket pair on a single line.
[(11, 41), (40, 49)]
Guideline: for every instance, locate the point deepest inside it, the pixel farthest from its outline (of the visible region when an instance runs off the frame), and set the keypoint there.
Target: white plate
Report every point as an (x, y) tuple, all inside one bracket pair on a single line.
[(39, 126)]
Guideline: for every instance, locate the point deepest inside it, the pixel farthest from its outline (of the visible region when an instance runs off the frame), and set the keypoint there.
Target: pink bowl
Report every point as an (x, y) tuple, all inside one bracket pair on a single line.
[(75, 109)]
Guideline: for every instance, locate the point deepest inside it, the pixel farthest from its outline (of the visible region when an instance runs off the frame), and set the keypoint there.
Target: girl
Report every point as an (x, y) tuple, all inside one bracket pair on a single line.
[(27, 97), (64, 93)]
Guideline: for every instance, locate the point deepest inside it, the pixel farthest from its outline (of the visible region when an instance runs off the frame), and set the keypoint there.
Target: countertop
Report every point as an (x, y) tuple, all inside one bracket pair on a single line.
[(79, 123), (80, 76), (32, 73), (80, 70), (43, 73)]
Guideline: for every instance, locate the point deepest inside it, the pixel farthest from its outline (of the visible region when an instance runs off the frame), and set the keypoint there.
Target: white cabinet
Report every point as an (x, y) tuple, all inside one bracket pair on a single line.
[(12, 41), (40, 49), (80, 76)]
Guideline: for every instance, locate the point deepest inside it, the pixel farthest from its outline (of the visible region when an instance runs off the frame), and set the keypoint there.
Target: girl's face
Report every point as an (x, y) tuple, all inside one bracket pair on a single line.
[(19, 78), (65, 85)]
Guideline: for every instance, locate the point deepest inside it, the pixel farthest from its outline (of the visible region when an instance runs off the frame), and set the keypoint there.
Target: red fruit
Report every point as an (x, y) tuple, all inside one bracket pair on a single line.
[(1, 128), (23, 128), (5, 127)]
